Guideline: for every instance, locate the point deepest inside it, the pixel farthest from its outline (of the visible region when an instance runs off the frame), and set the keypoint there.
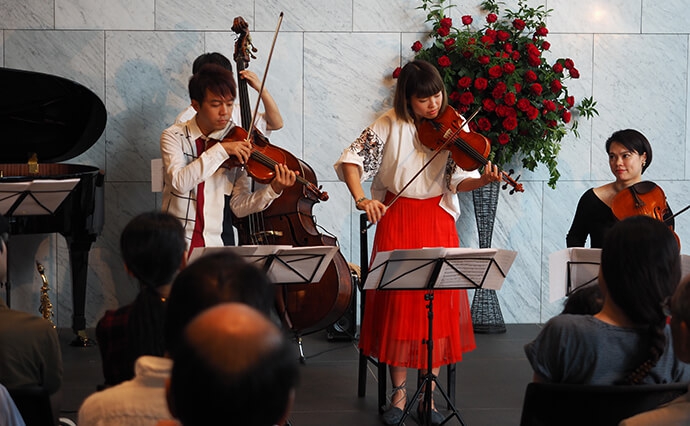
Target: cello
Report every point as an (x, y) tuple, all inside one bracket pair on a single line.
[(303, 308)]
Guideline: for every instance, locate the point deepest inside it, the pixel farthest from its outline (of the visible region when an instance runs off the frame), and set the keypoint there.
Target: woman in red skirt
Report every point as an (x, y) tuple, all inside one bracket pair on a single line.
[(390, 153)]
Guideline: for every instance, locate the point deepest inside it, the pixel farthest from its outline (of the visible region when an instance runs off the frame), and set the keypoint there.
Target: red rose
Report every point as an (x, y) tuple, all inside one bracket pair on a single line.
[(509, 98), (530, 76), (518, 87), (463, 109), (466, 98), (484, 124), (556, 86), (487, 40), (481, 83), (499, 90), (524, 104), (551, 123), (464, 82), (442, 31), (484, 60), (569, 63), (510, 123), (557, 68), (549, 105), (454, 97), (495, 72), (488, 105), (574, 73), (417, 46), (508, 68), (491, 18), (444, 61), (396, 72), (541, 32), (570, 100), (449, 42), (536, 89), (508, 48), (545, 45), (446, 22), (503, 138), (466, 20), (519, 24), (466, 54), (515, 55), (532, 50), (566, 116), (532, 113), (502, 35), (534, 61)]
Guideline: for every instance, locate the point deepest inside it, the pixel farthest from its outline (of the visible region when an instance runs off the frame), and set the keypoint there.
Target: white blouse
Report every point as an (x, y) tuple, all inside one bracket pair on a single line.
[(390, 152)]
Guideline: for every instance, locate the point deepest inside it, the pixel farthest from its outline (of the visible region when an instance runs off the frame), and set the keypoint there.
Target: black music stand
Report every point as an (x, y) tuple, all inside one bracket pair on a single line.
[(284, 265), (572, 268), (31, 198), (437, 269)]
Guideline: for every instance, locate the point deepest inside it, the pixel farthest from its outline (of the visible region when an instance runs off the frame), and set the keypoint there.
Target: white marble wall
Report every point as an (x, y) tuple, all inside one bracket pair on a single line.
[(330, 75)]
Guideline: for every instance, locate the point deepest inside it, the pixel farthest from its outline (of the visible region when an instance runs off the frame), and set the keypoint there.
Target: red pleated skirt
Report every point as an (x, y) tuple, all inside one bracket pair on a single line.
[(395, 321)]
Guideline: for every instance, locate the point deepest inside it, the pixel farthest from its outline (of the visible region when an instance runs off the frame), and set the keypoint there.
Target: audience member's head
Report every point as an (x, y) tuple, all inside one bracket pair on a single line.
[(680, 320), (232, 363), (153, 248), (211, 280), (211, 58), (640, 268), (585, 300)]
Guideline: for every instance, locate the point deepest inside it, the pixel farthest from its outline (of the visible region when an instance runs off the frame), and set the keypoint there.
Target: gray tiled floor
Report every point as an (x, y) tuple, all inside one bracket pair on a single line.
[(489, 387)]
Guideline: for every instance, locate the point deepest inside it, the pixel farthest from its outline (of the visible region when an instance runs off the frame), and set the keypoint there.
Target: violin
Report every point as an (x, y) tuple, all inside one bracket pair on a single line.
[(644, 198), (468, 149), (263, 159), (263, 156)]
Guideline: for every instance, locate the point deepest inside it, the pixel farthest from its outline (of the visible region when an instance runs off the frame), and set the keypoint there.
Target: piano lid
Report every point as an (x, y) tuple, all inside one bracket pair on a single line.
[(54, 117)]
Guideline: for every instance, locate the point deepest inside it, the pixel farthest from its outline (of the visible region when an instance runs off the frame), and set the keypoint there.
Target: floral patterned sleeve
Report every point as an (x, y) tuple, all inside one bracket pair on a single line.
[(369, 147)]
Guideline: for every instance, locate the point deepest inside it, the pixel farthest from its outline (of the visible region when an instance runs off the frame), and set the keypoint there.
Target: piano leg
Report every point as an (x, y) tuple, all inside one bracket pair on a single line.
[(79, 261)]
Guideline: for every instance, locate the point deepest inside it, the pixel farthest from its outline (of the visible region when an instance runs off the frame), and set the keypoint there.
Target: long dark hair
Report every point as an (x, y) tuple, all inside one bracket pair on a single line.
[(153, 247), (640, 264)]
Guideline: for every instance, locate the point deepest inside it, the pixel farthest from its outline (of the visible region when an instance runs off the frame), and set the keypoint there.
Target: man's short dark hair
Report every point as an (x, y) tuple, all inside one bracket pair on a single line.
[(211, 58), (213, 78), (211, 280)]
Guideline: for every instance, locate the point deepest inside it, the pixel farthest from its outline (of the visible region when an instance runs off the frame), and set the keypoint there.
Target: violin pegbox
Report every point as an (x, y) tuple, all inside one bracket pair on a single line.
[(515, 186)]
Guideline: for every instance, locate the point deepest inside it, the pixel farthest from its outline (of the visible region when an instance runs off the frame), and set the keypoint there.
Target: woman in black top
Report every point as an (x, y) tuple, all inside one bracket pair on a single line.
[(629, 156)]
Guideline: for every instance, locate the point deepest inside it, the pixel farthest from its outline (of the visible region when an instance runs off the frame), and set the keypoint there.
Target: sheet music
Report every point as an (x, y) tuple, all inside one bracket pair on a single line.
[(301, 265), (402, 269), (43, 198), (572, 268), (9, 194), (475, 268)]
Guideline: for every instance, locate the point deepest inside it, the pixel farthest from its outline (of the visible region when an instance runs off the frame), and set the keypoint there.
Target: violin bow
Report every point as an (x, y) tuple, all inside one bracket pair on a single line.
[(263, 79)]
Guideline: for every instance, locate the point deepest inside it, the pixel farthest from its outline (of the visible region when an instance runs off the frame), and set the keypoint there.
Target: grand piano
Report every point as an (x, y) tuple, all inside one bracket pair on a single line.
[(45, 120)]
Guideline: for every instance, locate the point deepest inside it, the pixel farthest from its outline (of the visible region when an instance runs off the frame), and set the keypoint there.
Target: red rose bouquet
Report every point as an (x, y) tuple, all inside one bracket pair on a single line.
[(525, 109)]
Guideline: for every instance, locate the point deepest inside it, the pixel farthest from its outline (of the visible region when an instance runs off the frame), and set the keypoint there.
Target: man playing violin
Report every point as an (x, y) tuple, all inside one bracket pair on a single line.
[(630, 154), (194, 154)]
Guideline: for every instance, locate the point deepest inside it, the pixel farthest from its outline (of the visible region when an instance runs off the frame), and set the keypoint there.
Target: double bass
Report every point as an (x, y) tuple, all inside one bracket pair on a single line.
[(303, 308)]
